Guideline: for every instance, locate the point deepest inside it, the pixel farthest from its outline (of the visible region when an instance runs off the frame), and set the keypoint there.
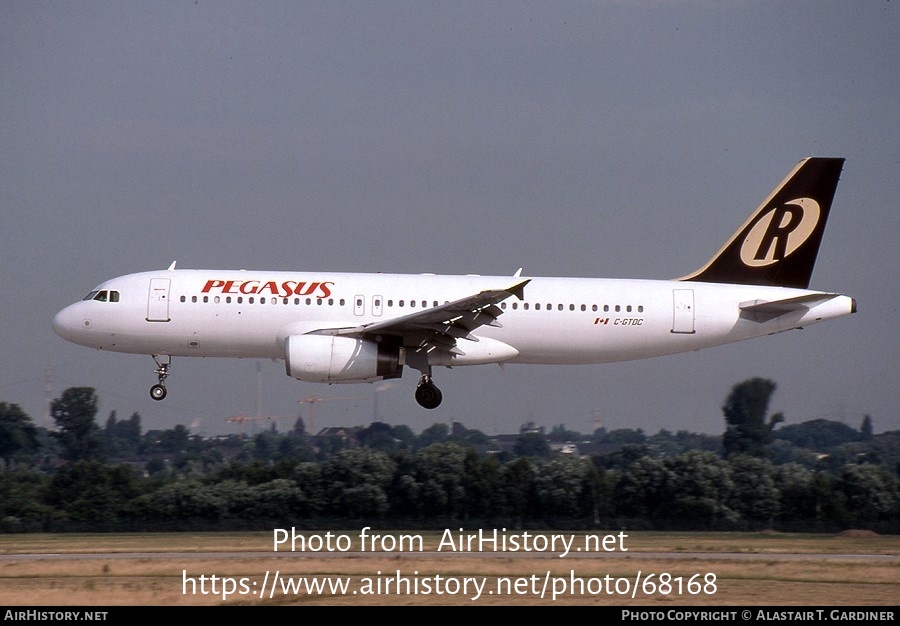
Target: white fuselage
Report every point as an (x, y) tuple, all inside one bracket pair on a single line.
[(216, 313)]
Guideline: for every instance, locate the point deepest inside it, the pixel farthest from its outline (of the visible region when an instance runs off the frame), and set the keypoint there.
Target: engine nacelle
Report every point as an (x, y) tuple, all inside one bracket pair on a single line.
[(332, 359)]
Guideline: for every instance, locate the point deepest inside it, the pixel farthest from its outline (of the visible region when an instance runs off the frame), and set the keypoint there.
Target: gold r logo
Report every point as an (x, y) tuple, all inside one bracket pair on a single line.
[(779, 231)]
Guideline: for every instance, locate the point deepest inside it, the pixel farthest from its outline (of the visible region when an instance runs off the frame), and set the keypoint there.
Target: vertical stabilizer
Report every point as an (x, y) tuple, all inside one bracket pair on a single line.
[(778, 244)]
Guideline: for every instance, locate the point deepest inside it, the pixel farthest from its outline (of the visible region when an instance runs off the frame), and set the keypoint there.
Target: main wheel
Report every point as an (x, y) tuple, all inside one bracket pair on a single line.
[(158, 392), (428, 395)]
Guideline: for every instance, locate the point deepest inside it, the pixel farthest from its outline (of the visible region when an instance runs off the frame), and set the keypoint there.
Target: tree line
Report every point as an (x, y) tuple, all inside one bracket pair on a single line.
[(820, 475)]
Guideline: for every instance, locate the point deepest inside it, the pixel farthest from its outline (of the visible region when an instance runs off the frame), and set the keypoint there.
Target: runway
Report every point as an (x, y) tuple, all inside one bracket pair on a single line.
[(662, 556)]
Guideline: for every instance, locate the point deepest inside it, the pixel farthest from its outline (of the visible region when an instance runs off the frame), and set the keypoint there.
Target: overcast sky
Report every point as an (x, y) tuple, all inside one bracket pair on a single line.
[(617, 139)]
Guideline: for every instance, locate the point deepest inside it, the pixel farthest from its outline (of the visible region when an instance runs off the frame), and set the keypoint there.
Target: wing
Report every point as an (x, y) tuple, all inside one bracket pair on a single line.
[(439, 328)]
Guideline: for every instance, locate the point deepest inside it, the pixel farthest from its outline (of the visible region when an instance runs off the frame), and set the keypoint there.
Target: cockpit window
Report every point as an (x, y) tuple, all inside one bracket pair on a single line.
[(103, 296)]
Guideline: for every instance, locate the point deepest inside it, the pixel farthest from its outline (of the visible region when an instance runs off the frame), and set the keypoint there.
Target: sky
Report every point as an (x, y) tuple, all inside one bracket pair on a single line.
[(609, 138)]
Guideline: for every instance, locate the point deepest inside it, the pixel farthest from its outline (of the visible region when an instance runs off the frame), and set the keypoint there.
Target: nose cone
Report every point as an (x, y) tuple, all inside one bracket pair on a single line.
[(66, 323)]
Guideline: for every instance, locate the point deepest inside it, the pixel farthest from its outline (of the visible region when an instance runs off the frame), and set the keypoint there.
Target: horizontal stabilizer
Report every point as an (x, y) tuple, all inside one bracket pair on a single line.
[(763, 311)]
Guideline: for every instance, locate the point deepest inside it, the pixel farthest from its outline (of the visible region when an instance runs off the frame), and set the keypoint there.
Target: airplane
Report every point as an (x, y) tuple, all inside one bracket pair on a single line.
[(337, 327)]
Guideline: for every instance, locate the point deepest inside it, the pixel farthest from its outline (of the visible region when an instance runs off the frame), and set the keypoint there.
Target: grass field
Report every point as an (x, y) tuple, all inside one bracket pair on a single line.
[(695, 569)]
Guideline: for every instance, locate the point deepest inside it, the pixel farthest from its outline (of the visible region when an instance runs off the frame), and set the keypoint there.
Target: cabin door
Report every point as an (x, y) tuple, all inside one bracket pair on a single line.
[(158, 300), (683, 311)]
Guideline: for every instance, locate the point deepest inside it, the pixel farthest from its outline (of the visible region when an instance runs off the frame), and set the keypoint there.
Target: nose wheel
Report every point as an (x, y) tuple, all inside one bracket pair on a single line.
[(427, 393), (158, 391)]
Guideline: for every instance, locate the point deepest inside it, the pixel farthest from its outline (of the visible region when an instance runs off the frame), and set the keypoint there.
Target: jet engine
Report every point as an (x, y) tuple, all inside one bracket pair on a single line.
[(332, 359)]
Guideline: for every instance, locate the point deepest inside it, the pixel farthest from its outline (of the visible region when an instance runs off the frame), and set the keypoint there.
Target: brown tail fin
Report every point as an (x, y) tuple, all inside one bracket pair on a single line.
[(779, 243)]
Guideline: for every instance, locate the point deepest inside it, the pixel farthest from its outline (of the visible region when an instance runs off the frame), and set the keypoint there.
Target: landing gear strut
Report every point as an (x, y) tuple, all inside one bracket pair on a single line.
[(427, 394), (158, 391)]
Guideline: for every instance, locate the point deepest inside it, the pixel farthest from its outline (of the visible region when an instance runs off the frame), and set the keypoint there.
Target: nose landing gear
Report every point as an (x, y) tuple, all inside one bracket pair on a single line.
[(158, 391)]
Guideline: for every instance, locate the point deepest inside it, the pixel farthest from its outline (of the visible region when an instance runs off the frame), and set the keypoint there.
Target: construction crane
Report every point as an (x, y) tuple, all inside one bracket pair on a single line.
[(240, 419), (312, 401)]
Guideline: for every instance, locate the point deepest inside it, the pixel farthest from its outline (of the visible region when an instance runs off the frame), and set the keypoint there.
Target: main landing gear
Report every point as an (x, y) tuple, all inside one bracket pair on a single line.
[(158, 391), (427, 393)]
